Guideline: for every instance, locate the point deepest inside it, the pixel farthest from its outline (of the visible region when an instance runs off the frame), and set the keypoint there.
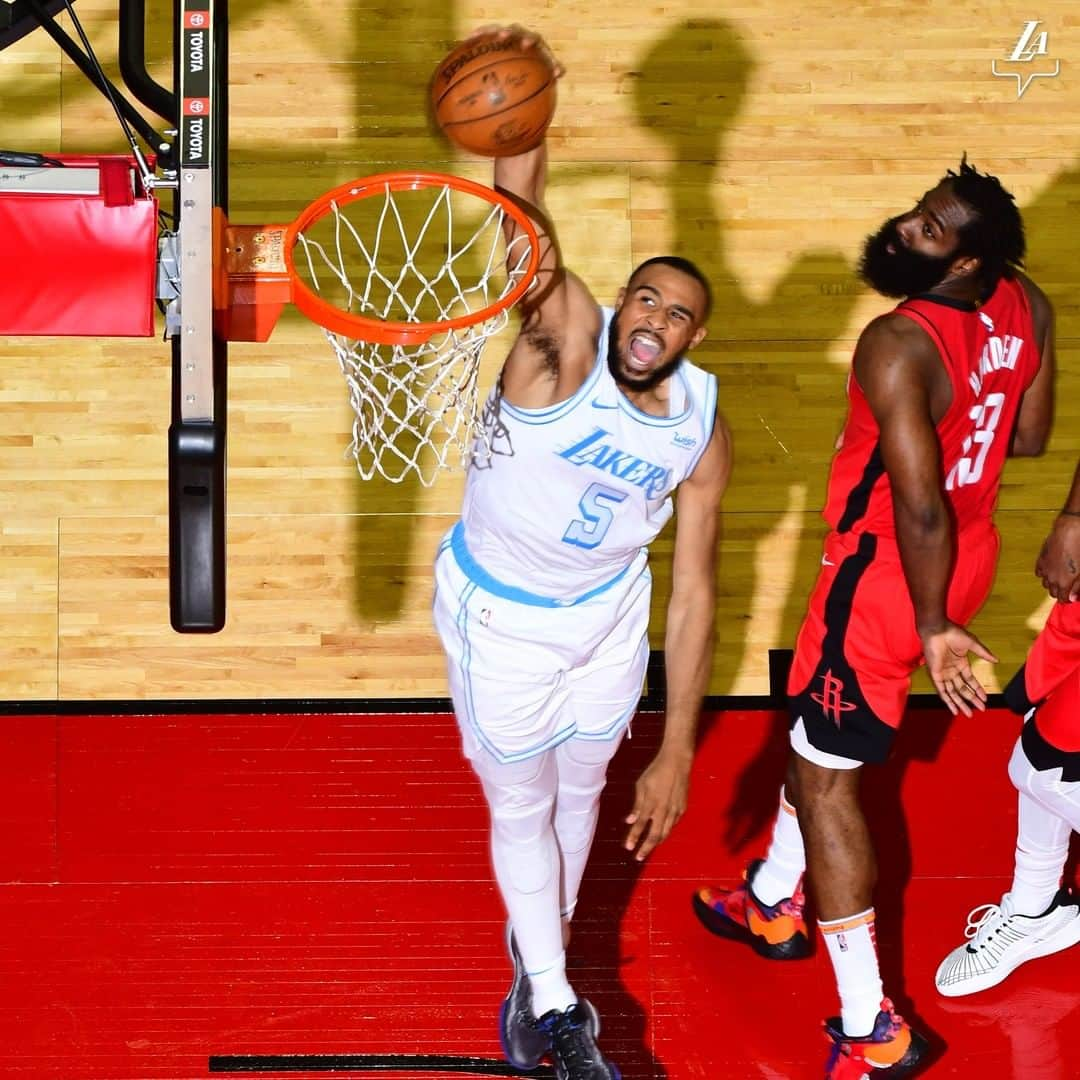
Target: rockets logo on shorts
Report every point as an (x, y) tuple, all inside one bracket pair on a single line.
[(831, 698)]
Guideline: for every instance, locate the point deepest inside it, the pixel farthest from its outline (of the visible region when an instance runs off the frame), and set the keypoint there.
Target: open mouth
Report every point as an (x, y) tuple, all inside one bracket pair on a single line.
[(643, 351)]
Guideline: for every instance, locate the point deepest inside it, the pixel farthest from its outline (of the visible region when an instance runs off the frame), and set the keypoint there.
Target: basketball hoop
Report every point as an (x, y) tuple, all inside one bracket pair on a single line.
[(408, 275)]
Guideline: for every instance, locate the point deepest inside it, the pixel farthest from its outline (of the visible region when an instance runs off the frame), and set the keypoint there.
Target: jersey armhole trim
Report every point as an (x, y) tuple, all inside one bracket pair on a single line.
[(927, 324), (708, 420)]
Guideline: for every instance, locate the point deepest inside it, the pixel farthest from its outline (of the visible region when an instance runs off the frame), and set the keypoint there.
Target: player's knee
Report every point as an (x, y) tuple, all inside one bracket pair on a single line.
[(525, 866), (582, 773), (522, 844), (811, 787), (521, 798), (589, 753), (508, 776), (575, 828), (520, 811), (582, 767)]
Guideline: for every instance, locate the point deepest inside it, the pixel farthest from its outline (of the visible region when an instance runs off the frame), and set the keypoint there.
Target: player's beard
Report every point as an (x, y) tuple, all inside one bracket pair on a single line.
[(901, 272), (634, 382)]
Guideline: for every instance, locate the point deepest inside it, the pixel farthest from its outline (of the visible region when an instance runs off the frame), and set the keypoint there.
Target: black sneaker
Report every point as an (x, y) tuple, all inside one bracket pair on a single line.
[(892, 1049), (523, 1042), (573, 1045), (777, 932)]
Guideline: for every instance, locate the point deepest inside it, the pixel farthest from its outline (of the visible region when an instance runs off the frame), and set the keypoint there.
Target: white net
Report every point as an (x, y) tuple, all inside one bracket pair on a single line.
[(426, 255)]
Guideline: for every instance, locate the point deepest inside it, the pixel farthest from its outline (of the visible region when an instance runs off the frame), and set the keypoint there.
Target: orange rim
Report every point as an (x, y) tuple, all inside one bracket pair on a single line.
[(384, 332)]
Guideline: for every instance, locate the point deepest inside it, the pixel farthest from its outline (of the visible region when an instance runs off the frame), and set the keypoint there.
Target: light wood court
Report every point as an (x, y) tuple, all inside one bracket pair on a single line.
[(764, 145)]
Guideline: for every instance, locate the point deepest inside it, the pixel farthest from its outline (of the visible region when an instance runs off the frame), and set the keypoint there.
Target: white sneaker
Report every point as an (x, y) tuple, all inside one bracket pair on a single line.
[(1001, 941)]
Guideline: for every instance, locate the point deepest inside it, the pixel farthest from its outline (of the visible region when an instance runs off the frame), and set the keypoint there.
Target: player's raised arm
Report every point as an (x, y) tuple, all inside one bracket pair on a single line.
[(524, 178), (494, 95), (560, 319)]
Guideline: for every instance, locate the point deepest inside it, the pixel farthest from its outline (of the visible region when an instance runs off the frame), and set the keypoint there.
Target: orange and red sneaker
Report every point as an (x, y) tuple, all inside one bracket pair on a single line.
[(893, 1049), (777, 932)]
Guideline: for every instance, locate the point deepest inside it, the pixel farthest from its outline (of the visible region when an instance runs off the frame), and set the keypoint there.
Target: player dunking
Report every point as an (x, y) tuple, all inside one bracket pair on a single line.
[(1037, 916), (956, 377), (542, 595)]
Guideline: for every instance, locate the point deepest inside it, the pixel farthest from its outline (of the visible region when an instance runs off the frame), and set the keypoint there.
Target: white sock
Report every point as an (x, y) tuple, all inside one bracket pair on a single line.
[(777, 877), (1042, 840), (853, 952), (550, 990), (1036, 877)]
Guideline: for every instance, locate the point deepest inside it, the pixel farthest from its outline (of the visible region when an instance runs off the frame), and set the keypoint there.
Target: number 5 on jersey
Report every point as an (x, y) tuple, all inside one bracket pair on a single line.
[(596, 516)]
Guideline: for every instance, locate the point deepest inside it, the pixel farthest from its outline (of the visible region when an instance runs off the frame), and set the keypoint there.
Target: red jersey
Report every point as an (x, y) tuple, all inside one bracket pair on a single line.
[(991, 356), (1052, 672)]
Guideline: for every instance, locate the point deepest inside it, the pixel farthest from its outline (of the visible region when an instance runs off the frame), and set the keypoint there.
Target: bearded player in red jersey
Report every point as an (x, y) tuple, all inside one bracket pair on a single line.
[(958, 376)]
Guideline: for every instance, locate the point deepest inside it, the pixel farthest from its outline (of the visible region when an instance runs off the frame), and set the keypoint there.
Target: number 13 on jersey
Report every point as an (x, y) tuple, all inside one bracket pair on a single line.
[(969, 469)]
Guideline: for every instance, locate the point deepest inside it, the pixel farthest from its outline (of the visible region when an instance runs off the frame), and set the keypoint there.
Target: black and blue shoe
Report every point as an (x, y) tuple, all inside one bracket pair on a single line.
[(523, 1042), (574, 1052)]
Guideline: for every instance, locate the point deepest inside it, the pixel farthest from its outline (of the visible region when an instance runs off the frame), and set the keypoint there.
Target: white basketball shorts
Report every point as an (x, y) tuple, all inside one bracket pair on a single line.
[(527, 673)]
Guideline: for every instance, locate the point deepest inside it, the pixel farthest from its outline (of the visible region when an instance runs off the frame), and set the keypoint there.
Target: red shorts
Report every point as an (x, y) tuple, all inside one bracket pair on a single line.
[(858, 646), (1049, 682)]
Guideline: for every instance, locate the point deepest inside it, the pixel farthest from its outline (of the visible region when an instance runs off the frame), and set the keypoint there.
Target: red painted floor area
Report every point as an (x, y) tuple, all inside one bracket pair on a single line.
[(178, 889)]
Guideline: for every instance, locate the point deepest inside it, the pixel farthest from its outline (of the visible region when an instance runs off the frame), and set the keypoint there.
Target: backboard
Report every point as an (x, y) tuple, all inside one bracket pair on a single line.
[(194, 168), (197, 431)]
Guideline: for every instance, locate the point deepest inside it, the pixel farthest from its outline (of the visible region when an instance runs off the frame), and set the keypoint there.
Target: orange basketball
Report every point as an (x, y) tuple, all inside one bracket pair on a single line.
[(494, 98)]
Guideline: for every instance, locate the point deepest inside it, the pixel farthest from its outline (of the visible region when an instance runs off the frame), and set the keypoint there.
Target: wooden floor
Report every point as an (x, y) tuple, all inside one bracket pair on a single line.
[(764, 143), (188, 894)]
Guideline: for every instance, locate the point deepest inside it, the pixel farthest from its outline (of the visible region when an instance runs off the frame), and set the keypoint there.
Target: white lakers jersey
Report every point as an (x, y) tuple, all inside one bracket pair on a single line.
[(575, 492)]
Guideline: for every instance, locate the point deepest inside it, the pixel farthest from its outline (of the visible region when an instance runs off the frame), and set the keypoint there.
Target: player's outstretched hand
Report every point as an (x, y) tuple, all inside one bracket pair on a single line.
[(946, 652), (527, 38), (660, 797), (1058, 565)]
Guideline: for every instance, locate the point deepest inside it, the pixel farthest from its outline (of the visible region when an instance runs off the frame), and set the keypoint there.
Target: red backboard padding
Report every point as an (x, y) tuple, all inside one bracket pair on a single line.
[(80, 265)]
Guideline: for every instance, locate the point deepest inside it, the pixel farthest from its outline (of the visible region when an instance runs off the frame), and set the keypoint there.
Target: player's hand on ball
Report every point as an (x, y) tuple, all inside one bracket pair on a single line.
[(494, 93), (528, 39)]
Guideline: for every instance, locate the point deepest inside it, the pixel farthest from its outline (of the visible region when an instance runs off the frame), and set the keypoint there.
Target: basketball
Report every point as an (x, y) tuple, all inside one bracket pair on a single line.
[(493, 97)]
